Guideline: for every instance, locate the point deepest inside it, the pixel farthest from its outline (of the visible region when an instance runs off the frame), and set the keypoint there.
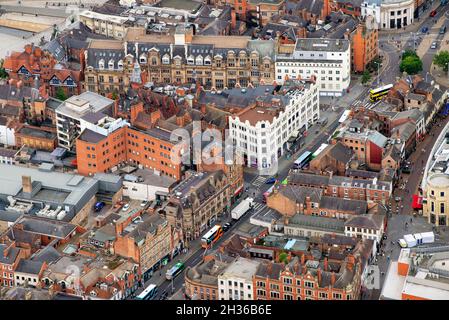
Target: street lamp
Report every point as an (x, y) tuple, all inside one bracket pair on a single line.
[(378, 72)]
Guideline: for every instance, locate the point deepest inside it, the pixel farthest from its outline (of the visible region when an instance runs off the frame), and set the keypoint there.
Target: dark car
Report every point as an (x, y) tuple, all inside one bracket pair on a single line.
[(407, 169), (424, 29), (270, 180), (99, 206), (433, 13), (226, 227)]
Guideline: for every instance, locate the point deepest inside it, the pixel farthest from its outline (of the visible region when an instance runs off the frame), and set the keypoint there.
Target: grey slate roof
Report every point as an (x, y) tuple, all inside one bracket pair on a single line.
[(29, 266), (343, 205), (10, 257), (91, 136)]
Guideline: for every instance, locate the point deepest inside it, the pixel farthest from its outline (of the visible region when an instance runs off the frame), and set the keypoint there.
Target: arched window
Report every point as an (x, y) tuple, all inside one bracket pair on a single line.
[(166, 59), (120, 64), (111, 64), (101, 64), (199, 61)]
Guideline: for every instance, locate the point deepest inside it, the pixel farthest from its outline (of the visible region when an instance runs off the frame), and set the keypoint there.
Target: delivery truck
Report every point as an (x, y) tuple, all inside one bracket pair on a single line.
[(242, 208), (413, 240)]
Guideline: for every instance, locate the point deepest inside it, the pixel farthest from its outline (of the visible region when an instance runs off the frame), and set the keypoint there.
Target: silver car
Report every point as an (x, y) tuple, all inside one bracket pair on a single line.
[(434, 45)]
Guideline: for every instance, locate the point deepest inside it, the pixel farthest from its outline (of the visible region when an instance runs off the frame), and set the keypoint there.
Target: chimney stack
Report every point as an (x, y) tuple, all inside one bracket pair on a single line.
[(326, 264), (26, 184), (319, 276), (333, 278)]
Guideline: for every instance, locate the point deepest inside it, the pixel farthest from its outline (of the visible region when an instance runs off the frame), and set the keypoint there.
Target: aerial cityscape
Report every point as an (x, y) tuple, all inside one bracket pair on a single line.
[(224, 150)]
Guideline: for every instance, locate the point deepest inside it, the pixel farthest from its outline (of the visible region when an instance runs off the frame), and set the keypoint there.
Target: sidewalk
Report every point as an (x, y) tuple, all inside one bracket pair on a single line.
[(158, 277)]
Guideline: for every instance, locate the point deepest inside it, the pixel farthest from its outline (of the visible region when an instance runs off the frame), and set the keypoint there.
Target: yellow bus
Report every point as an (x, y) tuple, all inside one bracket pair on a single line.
[(377, 94)]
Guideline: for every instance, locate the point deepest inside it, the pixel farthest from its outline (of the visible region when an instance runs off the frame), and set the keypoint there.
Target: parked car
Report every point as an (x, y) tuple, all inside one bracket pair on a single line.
[(144, 203), (434, 45), (99, 205), (125, 207), (226, 226), (424, 29), (397, 199), (433, 13), (407, 169)]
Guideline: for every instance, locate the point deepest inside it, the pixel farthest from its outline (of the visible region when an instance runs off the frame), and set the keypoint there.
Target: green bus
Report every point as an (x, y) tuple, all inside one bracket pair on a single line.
[(174, 271)]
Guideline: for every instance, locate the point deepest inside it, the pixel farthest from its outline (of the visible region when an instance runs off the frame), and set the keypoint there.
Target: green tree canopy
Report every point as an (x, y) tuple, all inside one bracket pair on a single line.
[(411, 64), (366, 77), (441, 59), (60, 94), (409, 53), (3, 73)]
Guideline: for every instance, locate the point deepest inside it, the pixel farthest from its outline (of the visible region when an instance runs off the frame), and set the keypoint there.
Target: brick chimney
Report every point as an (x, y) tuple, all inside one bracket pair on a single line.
[(303, 259), (135, 110), (333, 279), (26, 184), (180, 121), (319, 275), (29, 48), (233, 19)]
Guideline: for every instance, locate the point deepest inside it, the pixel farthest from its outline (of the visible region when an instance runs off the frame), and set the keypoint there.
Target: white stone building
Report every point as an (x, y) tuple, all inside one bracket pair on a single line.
[(88, 110), (261, 131), (396, 14), (236, 281), (329, 60)]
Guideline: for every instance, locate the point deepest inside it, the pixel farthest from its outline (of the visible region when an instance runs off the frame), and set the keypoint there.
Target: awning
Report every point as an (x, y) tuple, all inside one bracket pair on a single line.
[(285, 181), (239, 189), (416, 202)]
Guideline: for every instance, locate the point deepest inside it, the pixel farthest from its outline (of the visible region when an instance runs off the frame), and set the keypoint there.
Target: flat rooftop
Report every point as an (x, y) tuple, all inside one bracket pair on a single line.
[(181, 4)]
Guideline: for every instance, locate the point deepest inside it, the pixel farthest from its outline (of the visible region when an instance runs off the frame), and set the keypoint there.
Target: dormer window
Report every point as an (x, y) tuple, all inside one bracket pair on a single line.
[(111, 64), (190, 60), (120, 64), (199, 60), (143, 59), (101, 64), (166, 59), (207, 61)]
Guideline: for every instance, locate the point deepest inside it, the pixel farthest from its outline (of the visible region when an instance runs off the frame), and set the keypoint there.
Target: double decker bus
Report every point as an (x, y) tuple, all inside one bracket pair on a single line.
[(174, 271), (149, 293), (377, 94), (211, 236), (303, 160)]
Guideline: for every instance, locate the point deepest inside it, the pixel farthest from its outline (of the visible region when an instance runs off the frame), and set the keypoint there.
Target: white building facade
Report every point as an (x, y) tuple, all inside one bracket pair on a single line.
[(396, 14), (236, 282), (264, 141), (371, 8), (329, 60), (80, 112)]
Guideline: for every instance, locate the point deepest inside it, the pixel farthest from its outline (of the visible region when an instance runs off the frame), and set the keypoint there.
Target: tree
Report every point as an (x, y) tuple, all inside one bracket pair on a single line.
[(366, 77), (441, 59), (411, 64), (283, 257), (409, 53), (3, 73), (60, 94)]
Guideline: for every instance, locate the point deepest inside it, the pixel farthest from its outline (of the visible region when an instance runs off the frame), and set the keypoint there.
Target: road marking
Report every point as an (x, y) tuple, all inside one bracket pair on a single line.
[(258, 181)]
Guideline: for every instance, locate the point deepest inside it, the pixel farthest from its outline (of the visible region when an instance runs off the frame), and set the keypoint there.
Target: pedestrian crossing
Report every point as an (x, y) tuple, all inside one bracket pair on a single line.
[(258, 181), (257, 207)]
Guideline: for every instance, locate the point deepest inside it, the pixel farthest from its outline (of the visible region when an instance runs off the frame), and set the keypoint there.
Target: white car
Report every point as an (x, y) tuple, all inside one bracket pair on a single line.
[(125, 207), (402, 243), (143, 203)]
